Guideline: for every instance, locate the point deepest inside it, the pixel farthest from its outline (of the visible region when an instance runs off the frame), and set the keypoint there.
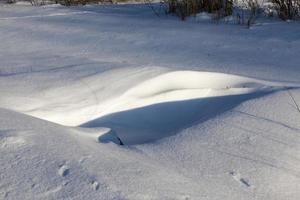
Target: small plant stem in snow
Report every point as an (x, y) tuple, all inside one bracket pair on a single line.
[(294, 101)]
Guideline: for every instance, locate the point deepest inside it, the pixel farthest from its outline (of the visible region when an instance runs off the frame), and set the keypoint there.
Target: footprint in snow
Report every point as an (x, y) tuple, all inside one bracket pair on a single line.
[(63, 170), (241, 180)]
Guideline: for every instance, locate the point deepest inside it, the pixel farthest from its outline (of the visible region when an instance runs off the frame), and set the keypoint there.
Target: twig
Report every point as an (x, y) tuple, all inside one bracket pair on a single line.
[(121, 143), (294, 101)]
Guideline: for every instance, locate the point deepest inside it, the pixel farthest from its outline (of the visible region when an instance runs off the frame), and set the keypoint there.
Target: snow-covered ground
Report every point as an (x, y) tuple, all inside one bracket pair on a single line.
[(205, 110)]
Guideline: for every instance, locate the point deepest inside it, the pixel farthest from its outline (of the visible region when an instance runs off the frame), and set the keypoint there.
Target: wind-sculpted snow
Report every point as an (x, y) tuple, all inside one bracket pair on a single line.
[(166, 104), (147, 110)]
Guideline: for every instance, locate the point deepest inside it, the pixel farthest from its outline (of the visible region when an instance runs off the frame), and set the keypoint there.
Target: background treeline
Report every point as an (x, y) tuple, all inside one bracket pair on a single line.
[(245, 11), (66, 2)]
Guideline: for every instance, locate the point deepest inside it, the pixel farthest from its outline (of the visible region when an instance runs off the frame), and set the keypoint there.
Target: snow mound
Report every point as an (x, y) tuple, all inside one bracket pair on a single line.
[(164, 105), (141, 107)]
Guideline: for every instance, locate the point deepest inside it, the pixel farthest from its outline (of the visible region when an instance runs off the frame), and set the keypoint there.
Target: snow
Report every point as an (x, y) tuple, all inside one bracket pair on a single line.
[(202, 108)]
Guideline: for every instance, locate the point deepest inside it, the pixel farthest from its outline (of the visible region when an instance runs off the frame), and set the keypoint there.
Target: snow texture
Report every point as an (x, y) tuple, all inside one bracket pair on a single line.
[(204, 111)]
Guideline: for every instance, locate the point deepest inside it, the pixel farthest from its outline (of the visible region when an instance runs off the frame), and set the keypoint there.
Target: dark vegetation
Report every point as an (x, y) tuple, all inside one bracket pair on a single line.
[(287, 9), (186, 8), (246, 14), (245, 11)]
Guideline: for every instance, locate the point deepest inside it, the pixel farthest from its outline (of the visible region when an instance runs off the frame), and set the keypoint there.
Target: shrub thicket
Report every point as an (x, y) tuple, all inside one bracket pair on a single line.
[(246, 14), (287, 9), (67, 2), (185, 8)]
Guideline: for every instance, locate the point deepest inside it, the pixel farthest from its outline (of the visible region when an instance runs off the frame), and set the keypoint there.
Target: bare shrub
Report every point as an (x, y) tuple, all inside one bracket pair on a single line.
[(186, 8), (247, 12), (37, 2), (71, 2), (10, 1), (254, 9), (287, 9)]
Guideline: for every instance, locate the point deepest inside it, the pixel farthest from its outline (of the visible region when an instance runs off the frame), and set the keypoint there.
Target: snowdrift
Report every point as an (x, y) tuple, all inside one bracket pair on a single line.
[(147, 110), (166, 104)]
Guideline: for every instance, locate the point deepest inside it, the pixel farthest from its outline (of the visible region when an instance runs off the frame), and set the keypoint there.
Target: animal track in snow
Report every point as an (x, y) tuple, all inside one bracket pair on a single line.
[(51, 191), (84, 158), (63, 170), (238, 178), (95, 185)]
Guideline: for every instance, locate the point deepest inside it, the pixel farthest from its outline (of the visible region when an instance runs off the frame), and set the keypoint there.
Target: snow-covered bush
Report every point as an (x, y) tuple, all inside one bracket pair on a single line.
[(287, 9)]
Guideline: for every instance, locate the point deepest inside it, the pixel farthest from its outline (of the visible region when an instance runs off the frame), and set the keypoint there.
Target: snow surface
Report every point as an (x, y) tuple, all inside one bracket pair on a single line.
[(204, 110)]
